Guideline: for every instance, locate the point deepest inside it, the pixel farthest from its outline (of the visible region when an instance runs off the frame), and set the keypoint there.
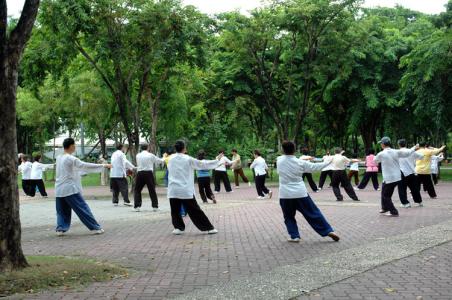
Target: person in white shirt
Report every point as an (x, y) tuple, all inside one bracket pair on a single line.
[(308, 175), (409, 178), (326, 171), (436, 159), (221, 174), (260, 171), (118, 175), (389, 159), (181, 189), (25, 170), (145, 176), (293, 195), (37, 168), (354, 169), (338, 166), (68, 190)]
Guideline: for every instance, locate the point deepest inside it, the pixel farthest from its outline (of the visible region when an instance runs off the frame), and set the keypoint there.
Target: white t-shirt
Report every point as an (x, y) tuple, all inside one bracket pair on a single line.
[(223, 160), (119, 164), (339, 162), (389, 159), (146, 161), (434, 164), (329, 167), (37, 168), (408, 164), (25, 169), (259, 165), (354, 166)]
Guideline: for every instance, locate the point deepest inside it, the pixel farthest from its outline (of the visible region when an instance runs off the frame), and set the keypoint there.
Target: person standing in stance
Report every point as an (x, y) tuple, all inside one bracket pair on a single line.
[(409, 179), (118, 175), (371, 172), (236, 166), (339, 164), (221, 173), (306, 156), (424, 168), (260, 169), (37, 168), (204, 181), (25, 170)]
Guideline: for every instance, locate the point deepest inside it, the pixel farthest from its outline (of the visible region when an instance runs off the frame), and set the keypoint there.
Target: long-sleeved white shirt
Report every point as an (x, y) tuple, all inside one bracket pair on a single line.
[(290, 170), (68, 168), (225, 161), (25, 170), (181, 179), (434, 164), (389, 159), (329, 167), (37, 168), (339, 162), (119, 164), (259, 165), (146, 161), (408, 164)]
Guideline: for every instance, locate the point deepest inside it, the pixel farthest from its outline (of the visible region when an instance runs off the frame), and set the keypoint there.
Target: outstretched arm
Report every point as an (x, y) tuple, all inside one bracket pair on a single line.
[(204, 164), (311, 167), (89, 167)]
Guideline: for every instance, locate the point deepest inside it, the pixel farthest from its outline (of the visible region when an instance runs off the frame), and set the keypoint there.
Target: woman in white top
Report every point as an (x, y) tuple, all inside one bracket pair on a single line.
[(260, 171), (37, 168), (25, 170), (436, 159), (221, 173)]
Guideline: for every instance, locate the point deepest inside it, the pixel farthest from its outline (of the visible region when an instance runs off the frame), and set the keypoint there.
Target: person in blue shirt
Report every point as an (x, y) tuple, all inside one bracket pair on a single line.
[(204, 181)]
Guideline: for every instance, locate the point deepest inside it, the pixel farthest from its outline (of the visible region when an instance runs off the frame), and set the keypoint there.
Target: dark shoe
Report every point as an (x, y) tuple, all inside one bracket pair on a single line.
[(356, 200), (334, 236), (339, 200), (383, 211)]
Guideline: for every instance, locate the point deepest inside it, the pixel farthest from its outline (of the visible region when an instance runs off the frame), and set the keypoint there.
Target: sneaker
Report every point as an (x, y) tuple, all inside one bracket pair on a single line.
[(155, 209), (378, 189), (249, 183), (270, 194), (213, 231), (237, 187), (231, 191), (316, 191), (127, 204), (340, 200), (334, 236), (319, 189), (260, 197), (293, 240), (420, 204), (214, 201), (178, 232), (408, 205), (98, 231), (356, 200), (60, 233), (216, 192), (137, 209), (115, 204), (389, 214), (382, 211)]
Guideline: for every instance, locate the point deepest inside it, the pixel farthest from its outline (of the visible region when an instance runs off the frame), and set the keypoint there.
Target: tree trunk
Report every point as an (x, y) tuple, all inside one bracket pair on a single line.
[(103, 144)]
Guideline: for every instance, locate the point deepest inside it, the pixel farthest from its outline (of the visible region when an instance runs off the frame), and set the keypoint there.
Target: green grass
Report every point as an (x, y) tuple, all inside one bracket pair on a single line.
[(49, 272)]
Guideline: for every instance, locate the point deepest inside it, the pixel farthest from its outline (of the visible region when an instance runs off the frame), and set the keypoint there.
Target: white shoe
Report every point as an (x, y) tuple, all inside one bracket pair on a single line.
[(293, 240), (215, 192), (137, 209), (237, 187), (178, 232), (98, 231), (319, 189), (60, 233), (155, 209), (249, 183), (356, 189), (127, 204), (270, 194), (316, 191), (260, 197), (408, 205), (420, 204), (115, 204), (378, 189), (213, 231), (231, 191)]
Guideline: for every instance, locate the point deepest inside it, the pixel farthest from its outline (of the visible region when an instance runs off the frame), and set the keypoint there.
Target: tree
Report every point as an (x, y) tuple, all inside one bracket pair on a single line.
[(12, 45)]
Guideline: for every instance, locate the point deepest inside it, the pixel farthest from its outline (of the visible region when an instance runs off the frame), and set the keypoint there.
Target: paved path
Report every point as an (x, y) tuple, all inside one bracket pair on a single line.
[(251, 245)]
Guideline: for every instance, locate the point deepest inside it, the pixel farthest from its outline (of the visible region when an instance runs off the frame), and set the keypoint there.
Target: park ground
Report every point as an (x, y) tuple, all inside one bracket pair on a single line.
[(378, 257)]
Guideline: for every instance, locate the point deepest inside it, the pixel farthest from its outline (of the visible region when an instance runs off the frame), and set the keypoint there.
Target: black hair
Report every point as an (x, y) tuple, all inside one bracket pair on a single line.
[(119, 146), (68, 142), (201, 154), (179, 146), (422, 144), (370, 151), (337, 150), (221, 151), (37, 157), (355, 155), (257, 152), (234, 150), (304, 150), (288, 147), (24, 157), (144, 147), (402, 142)]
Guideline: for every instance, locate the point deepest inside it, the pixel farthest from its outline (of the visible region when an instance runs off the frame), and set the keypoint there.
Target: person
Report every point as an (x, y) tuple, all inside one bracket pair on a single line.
[(326, 171), (166, 157), (409, 179), (104, 174), (389, 159), (181, 189), (436, 159), (339, 163), (260, 170), (145, 177), (423, 168), (68, 190), (118, 175), (37, 168), (293, 195), (236, 166), (221, 173), (354, 169), (305, 156), (204, 181), (371, 172), (25, 170)]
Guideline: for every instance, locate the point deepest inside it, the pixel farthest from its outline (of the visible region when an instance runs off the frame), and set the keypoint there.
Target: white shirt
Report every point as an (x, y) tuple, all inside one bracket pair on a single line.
[(181, 179), (354, 166), (389, 159), (146, 161), (259, 165), (68, 168), (290, 170), (339, 162), (25, 169), (434, 164), (37, 168), (329, 167), (223, 160), (408, 164), (119, 164)]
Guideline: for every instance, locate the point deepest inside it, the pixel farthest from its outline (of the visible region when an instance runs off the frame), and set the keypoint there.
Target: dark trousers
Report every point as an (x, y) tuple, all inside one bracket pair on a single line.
[(426, 181), (145, 178), (323, 176), (197, 216), (204, 189), (26, 186), (260, 185), (120, 185), (387, 189), (340, 178), (365, 180), (39, 183), (354, 174), (310, 181), (435, 178), (412, 182), (309, 211), (222, 176), (64, 207), (237, 173)]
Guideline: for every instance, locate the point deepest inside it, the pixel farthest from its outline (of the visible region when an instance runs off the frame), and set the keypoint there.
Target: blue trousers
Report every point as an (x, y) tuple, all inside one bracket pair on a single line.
[(309, 211), (75, 202)]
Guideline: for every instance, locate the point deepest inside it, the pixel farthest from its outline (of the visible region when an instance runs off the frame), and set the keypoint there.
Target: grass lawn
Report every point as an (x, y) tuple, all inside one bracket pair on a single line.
[(49, 272)]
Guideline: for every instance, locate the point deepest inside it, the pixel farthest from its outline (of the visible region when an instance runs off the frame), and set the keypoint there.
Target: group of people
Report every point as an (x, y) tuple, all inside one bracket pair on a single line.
[(32, 175)]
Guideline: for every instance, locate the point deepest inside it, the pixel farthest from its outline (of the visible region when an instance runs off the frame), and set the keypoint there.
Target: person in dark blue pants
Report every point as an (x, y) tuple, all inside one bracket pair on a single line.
[(75, 202)]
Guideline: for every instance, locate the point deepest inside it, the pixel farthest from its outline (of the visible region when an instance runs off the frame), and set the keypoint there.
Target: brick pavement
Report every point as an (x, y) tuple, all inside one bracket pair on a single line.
[(252, 240)]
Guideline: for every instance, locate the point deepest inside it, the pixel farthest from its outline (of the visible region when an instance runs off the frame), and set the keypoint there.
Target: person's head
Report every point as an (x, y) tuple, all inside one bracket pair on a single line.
[(402, 143), (179, 146), (24, 157), (355, 155), (37, 157), (328, 152), (201, 155), (385, 142), (288, 147), (370, 151), (144, 147), (120, 147), (256, 153), (221, 151), (422, 144), (69, 145), (234, 151), (337, 150), (304, 150)]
